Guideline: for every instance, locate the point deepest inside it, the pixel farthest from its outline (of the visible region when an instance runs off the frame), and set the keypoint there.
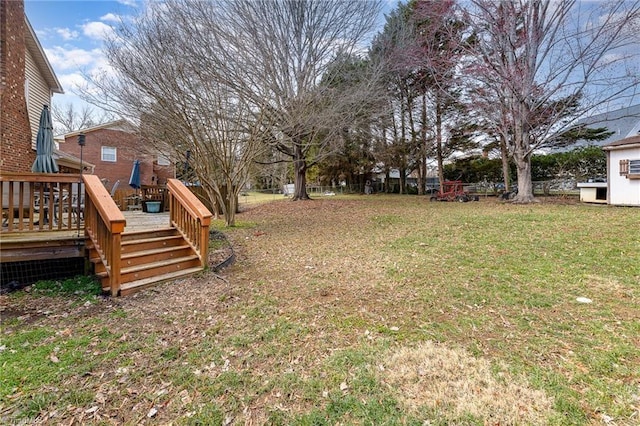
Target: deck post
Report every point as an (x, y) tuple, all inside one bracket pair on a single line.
[(116, 253), (204, 244)]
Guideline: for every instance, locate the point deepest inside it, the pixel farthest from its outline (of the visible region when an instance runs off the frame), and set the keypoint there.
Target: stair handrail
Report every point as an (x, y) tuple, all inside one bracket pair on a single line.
[(190, 217), (104, 224)]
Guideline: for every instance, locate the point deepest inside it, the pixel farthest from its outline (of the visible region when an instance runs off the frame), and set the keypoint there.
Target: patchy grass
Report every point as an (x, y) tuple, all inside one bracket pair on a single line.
[(80, 285), (354, 310)]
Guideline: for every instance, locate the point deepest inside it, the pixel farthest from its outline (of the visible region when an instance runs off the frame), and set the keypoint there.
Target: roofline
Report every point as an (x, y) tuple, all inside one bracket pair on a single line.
[(98, 127), (66, 159), (617, 147), (51, 78)]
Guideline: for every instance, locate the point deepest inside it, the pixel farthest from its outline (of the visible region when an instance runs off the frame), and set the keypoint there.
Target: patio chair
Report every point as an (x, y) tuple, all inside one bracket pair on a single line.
[(114, 188), (77, 208)]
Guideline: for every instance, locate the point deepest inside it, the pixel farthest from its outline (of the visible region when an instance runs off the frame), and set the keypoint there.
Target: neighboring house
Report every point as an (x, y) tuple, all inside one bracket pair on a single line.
[(27, 82), (68, 163), (113, 147), (623, 171)]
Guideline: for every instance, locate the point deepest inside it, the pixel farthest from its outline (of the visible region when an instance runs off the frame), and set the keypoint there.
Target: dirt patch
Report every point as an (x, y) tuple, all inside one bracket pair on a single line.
[(433, 375)]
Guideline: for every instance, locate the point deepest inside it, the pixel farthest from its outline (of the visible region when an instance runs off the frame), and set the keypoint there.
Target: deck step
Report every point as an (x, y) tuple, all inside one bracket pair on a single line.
[(149, 257), (145, 256), (147, 270), (142, 284), (133, 246), (144, 234), (151, 243)]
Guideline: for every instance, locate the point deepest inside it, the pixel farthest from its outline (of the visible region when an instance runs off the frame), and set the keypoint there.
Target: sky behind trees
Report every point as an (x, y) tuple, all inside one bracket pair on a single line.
[(72, 35)]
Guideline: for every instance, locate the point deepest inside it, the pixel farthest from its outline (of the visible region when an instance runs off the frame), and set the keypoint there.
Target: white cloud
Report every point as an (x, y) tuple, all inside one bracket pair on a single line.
[(97, 30), (66, 33), (111, 17), (131, 3), (62, 58), (42, 33), (71, 82)]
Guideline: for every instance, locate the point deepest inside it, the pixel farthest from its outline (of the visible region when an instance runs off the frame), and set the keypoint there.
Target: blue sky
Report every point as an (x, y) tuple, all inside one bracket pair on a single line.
[(71, 34)]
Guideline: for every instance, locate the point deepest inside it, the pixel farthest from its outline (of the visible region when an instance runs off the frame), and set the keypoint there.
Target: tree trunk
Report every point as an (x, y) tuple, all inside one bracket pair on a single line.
[(230, 195), (506, 170), (387, 177), (300, 175), (230, 216), (525, 187), (522, 157), (439, 146), (422, 168)]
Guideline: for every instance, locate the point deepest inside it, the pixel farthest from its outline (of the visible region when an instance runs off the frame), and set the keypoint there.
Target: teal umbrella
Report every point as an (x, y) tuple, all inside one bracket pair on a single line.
[(134, 180), (44, 145)]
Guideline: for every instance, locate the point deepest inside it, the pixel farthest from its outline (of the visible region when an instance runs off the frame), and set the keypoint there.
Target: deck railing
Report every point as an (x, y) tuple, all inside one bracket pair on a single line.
[(190, 217), (104, 225), (33, 202)]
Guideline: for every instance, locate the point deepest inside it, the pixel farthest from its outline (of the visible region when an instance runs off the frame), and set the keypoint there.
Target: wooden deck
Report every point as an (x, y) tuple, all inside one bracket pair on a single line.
[(128, 250), (41, 245)]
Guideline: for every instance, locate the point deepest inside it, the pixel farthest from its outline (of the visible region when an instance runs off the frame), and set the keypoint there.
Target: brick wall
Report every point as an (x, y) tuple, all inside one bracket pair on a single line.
[(129, 147), (16, 154)]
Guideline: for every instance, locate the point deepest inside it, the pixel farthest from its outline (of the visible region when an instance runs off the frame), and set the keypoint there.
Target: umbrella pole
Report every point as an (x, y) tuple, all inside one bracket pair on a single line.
[(81, 142)]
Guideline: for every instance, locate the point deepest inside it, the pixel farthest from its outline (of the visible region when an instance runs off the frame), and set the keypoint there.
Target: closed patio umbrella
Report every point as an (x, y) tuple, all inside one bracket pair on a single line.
[(44, 162), (134, 180)]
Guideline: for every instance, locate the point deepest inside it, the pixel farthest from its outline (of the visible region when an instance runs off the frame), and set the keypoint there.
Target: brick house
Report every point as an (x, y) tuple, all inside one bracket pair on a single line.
[(113, 147), (27, 82)]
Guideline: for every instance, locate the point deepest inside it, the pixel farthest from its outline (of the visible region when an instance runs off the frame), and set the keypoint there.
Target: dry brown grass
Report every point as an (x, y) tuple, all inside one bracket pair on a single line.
[(450, 380)]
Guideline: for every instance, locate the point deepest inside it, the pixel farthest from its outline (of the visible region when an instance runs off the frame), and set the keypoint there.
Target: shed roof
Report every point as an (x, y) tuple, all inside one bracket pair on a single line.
[(631, 142)]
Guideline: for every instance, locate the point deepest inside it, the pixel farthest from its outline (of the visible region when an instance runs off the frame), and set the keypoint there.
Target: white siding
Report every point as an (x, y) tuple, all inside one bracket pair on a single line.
[(39, 94), (623, 191)]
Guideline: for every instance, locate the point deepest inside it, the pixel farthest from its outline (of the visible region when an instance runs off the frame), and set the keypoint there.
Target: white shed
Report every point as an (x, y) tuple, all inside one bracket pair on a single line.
[(623, 171)]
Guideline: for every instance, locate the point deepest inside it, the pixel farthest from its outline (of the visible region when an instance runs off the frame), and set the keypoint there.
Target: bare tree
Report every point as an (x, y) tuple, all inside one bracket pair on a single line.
[(275, 53), (539, 57), (421, 45), (399, 127), (183, 107), (67, 118)]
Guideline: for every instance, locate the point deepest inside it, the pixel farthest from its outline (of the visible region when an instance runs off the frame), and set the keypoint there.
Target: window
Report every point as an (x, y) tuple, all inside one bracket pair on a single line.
[(634, 167), (109, 153), (163, 161)]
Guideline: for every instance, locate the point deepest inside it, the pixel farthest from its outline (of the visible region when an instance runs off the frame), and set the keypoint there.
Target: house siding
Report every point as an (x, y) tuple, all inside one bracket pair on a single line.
[(623, 191), (16, 154), (38, 95)]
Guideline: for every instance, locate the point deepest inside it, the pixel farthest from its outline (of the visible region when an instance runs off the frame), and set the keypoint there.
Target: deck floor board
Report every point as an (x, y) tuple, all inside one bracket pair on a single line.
[(136, 221)]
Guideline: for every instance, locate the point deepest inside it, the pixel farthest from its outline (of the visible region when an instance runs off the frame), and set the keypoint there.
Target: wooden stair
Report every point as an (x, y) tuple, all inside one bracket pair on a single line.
[(148, 258)]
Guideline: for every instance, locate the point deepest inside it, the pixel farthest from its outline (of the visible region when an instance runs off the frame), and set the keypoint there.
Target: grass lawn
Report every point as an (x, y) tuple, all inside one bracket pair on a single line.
[(354, 310)]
